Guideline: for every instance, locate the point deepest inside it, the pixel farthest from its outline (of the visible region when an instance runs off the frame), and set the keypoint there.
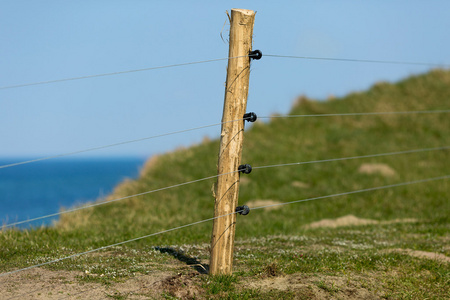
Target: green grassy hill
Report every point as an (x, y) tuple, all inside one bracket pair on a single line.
[(289, 140)]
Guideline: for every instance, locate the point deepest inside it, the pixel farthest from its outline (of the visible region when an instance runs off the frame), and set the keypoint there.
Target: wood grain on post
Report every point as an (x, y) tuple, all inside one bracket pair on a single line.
[(227, 187)]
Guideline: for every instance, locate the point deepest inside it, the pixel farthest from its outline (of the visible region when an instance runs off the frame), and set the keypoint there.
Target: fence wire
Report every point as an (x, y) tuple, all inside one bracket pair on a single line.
[(118, 73), (112, 201), (391, 62), (360, 114), (353, 157), (114, 145)]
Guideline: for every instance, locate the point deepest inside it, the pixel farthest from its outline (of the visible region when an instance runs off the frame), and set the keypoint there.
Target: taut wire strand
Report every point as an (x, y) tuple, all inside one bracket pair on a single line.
[(109, 246), (117, 73), (112, 145), (354, 157), (361, 114), (114, 200), (361, 60), (210, 219), (355, 192)]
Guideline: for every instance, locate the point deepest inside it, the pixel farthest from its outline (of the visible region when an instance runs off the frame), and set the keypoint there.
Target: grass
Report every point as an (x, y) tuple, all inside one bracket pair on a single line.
[(275, 244)]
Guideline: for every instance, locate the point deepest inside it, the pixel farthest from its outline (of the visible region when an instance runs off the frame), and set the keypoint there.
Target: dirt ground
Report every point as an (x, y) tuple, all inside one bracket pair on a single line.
[(44, 284), (39, 283), (351, 220)]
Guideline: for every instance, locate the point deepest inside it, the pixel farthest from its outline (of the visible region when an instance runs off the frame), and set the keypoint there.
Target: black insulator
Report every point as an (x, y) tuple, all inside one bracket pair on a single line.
[(255, 54), (246, 169), (250, 117), (243, 210)]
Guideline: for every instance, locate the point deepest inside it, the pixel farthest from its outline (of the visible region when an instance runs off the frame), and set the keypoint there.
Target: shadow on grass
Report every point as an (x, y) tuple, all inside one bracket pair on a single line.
[(190, 261)]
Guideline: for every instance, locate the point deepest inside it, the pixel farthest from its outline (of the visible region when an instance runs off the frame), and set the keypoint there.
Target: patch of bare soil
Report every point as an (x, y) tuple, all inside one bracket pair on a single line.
[(259, 203), (181, 286), (45, 284), (348, 220), (318, 287), (382, 169), (423, 254), (300, 184), (351, 220)]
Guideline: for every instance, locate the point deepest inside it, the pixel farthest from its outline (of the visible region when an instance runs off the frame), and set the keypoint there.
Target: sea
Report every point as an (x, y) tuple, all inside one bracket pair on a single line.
[(42, 188)]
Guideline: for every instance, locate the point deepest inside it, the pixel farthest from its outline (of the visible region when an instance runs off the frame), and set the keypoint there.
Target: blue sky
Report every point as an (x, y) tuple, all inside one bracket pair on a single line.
[(47, 40)]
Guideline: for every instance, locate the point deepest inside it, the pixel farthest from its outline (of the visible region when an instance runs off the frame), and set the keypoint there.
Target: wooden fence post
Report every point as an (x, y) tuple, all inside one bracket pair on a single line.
[(227, 187)]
